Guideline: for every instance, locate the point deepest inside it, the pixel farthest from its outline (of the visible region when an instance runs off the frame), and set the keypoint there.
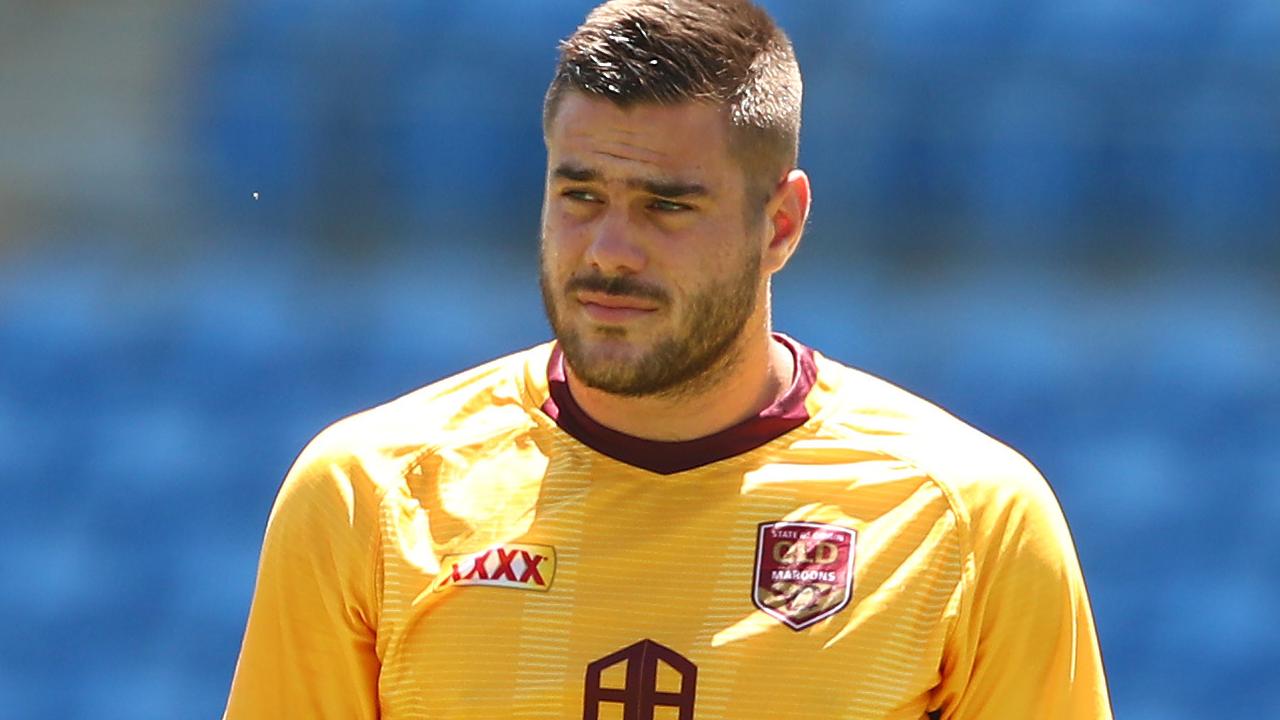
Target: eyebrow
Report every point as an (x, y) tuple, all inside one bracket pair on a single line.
[(661, 187)]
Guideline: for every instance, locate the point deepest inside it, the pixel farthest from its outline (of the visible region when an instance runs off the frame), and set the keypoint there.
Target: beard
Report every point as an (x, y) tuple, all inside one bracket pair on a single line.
[(686, 361)]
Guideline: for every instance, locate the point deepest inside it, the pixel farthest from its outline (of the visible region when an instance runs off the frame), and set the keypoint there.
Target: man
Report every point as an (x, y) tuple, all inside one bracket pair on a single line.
[(670, 511)]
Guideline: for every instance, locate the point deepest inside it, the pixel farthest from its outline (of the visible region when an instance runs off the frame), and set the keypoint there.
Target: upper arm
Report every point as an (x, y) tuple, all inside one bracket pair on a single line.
[(1025, 643), (309, 645)]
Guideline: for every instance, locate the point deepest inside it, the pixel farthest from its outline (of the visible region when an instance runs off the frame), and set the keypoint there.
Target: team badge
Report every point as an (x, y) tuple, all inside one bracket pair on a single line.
[(804, 571)]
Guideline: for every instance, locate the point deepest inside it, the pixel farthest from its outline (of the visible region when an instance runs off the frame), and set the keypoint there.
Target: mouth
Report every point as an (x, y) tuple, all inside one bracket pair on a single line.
[(614, 309)]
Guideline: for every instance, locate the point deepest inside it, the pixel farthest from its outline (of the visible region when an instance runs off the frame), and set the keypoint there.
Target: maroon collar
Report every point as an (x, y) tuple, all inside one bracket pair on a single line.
[(784, 415)]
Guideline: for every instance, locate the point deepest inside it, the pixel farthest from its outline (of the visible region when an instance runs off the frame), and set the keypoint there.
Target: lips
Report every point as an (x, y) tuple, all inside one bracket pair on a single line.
[(616, 302), (607, 308)]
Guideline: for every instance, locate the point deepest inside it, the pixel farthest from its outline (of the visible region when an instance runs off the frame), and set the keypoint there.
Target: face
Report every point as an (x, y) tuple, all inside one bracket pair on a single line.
[(651, 259)]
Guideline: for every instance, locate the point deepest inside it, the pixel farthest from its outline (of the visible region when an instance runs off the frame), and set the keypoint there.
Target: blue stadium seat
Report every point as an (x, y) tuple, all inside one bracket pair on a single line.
[(463, 147), (1249, 42), (810, 24), (1036, 154), (1121, 47), (930, 41), (1221, 188), (141, 685), (526, 29)]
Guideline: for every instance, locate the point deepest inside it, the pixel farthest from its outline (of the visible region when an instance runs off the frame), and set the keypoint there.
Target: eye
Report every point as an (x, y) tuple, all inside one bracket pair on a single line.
[(585, 196), (668, 206)]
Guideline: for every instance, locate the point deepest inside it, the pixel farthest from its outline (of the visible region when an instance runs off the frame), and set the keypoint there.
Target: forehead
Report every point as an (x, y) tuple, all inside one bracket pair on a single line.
[(689, 140)]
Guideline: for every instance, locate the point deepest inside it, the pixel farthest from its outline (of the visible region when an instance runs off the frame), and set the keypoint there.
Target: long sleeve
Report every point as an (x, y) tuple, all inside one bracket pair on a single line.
[(309, 646), (1024, 643)]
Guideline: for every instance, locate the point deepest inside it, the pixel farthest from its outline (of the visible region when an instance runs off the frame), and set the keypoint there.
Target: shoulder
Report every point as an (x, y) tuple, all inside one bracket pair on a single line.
[(980, 475), (368, 453), (488, 398)]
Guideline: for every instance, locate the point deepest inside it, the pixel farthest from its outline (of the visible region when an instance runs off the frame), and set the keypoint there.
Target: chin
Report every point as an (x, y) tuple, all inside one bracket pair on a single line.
[(612, 352), (602, 355)]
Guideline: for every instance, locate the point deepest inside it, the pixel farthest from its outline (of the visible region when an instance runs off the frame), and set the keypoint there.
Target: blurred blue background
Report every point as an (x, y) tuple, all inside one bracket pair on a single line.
[(1061, 220)]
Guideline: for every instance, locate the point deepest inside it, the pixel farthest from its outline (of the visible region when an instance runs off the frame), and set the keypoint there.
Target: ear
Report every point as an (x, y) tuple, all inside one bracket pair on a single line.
[(786, 212)]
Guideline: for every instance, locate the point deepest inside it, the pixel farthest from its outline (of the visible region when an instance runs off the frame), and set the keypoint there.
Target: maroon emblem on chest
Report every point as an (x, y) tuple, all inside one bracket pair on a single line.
[(640, 696), (804, 571)]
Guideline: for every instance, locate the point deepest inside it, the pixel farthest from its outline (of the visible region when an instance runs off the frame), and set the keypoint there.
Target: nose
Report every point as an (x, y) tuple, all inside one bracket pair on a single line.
[(614, 248)]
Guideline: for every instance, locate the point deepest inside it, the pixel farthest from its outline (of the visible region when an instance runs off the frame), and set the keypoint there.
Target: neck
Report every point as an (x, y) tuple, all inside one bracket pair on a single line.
[(761, 372)]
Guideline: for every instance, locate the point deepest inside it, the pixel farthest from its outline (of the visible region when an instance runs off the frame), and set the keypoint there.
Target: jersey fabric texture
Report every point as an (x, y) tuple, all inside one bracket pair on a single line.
[(480, 548)]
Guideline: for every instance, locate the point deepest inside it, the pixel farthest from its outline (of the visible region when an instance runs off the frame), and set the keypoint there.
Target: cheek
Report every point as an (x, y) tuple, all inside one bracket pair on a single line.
[(561, 236), (552, 244), (558, 263), (713, 251)]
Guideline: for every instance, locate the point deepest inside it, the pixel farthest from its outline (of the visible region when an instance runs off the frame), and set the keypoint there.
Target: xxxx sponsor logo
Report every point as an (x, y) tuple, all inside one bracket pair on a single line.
[(520, 566)]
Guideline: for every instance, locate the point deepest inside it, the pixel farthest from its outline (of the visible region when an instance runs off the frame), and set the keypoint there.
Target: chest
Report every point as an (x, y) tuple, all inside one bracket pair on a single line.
[(726, 598)]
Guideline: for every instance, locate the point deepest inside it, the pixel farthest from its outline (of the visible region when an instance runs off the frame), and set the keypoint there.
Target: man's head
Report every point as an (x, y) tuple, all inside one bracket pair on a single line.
[(727, 53), (671, 191)]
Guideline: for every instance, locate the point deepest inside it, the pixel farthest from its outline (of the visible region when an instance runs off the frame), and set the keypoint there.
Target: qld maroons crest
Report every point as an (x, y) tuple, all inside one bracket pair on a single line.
[(804, 571)]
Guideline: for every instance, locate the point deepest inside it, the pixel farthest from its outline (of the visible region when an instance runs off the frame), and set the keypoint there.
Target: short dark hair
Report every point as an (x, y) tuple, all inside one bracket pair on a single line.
[(726, 52)]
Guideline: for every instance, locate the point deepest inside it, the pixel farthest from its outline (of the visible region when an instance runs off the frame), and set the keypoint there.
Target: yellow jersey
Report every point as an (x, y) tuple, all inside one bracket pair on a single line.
[(481, 548)]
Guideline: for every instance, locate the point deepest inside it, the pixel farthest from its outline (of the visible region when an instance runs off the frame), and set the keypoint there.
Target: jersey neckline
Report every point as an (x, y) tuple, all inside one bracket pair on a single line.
[(787, 413)]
